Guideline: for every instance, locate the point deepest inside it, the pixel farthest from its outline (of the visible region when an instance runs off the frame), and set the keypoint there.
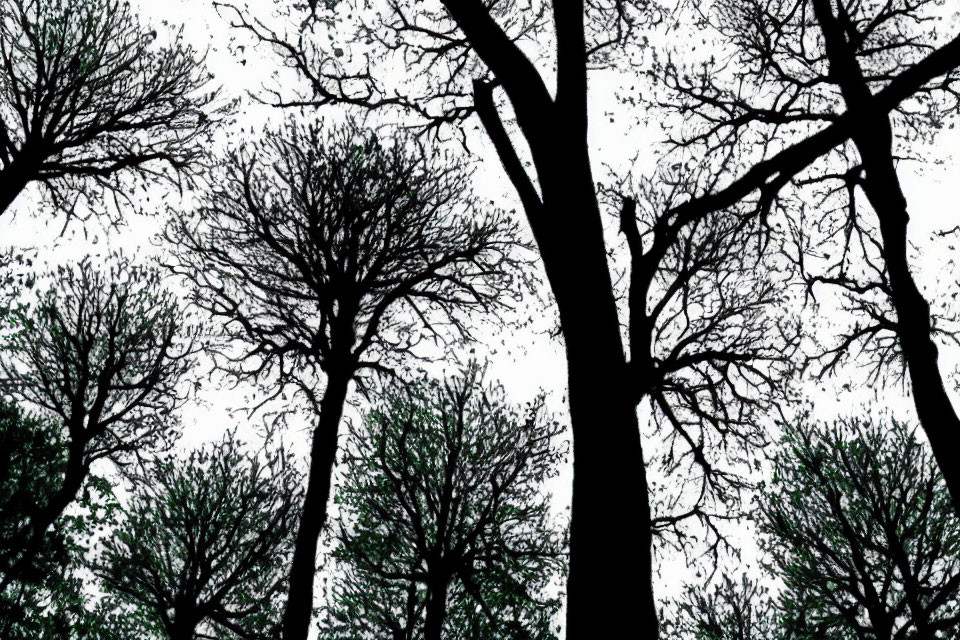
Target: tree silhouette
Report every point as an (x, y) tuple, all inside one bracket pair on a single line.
[(445, 528), (732, 610), (97, 353), (47, 598), (467, 58), (858, 523), (332, 251), (205, 543), (88, 95), (868, 82)]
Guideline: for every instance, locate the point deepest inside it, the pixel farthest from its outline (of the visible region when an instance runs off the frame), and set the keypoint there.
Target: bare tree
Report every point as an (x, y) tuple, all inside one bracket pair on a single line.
[(883, 72), (469, 57), (205, 542), (88, 95), (445, 530), (339, 253), (99, 353), (859, 524)]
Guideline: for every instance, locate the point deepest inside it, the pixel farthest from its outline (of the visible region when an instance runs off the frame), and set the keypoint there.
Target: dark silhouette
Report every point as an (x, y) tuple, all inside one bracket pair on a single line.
[(445, 530), (98, 353), (88, 96), (859, 524), (336, 252), (44, 598), (471, 62), (204, 545), (731, 610), (863, 82)]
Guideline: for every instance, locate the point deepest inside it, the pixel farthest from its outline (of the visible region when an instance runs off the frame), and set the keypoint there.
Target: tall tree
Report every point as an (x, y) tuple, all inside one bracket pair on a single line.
[(332, 251), (446, 530), (88, 96), (858, 523), (98, 353), (885, 73), (469, 57), (205, 543)]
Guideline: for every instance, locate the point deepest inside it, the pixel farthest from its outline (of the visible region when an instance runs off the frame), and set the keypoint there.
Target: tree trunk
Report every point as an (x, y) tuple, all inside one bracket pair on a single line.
[(184, 625), (934, 409), (299, 609), (874, 140), (13, 179), (436, 610), (609, 588)]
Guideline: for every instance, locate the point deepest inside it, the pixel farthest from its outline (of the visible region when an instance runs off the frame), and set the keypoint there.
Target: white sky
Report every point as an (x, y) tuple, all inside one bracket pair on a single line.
[(524, 360)]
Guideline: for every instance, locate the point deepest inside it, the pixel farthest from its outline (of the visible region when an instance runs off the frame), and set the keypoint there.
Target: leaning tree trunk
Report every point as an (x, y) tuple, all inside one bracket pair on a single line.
[(299, 608), (874, 140), (914, 329), (13, 180)]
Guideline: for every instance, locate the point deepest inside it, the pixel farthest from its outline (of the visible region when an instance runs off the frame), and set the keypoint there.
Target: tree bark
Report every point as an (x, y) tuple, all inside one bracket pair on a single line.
[(184, 625), (609, 588), (436, 610), (299, 608)]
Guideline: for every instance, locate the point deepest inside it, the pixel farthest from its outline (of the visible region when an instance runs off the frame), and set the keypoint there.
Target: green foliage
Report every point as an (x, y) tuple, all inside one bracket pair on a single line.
[(47, 599), (858, 523), (205, 542), (444, 490)]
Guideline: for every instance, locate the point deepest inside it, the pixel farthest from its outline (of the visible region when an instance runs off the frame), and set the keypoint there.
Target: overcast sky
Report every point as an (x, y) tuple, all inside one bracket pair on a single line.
[(525, 359)]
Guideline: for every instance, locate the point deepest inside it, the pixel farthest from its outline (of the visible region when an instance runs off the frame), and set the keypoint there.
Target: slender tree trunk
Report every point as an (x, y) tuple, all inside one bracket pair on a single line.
[(934, 408), (436, 610), (874, 141), (299, 609)]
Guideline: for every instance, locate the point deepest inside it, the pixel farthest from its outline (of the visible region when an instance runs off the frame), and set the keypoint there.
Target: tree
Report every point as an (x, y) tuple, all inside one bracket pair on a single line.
[(335, 252), (469, 57), (885, 74), (47, 598), (445, 530), (733, 610), (206, 541), (99, 353), (88, 95), (858, 523)]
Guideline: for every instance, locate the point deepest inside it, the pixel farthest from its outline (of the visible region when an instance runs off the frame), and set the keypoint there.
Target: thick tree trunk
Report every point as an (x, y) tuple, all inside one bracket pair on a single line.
[(299, 609), (609, 589), (184, 625), (13, 179), (436, 610)]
